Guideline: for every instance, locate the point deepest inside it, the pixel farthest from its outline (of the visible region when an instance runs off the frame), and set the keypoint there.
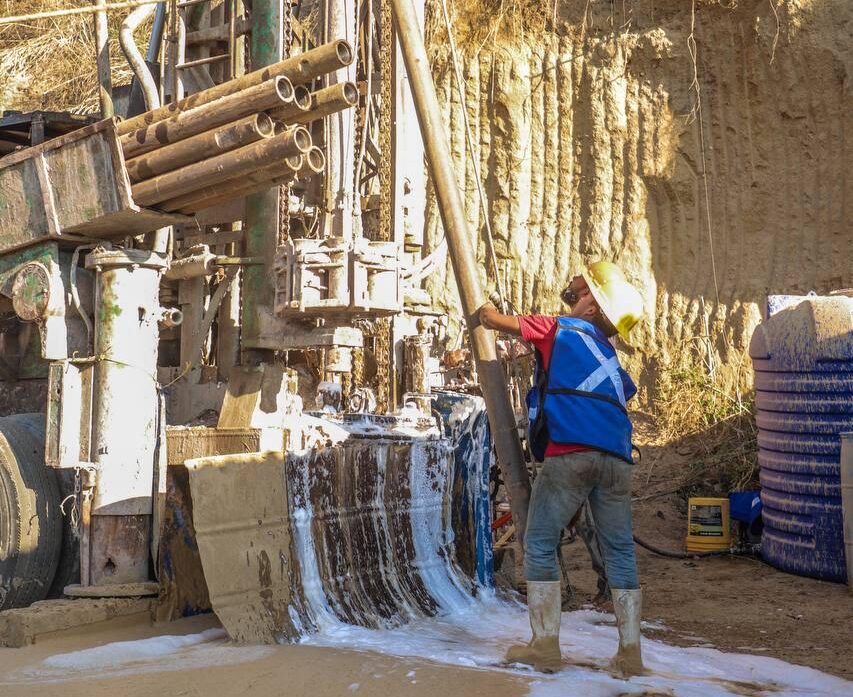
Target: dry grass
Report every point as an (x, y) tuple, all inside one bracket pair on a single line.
[(50, 64), (714, 422), (506, 23), (478, 23)]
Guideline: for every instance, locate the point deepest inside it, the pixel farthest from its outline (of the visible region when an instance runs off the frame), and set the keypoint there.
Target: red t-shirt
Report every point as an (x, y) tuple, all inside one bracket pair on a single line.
[(540, 330)]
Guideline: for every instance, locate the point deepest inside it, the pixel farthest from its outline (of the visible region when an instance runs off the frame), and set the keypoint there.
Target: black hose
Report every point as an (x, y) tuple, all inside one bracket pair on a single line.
[(679, 555)]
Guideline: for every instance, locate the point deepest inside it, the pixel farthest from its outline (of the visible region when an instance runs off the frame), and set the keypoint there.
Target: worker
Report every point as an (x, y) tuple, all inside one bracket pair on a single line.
[(580, 429)]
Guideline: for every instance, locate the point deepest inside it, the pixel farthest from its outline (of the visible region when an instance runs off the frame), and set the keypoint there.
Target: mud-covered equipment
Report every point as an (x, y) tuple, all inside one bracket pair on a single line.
[(620, 302), (30, 519)]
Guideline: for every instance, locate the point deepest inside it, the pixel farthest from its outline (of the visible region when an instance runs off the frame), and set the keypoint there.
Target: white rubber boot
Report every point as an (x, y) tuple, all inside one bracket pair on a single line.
[(543, 651), (627, 606)]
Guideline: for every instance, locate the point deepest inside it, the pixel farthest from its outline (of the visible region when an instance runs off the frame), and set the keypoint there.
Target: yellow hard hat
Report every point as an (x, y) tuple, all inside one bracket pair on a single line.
[(620, 302)]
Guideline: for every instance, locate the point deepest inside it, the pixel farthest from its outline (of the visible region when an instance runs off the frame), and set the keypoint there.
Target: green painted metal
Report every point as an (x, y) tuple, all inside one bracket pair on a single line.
[(262, 210), (45, 252), (32, 365)]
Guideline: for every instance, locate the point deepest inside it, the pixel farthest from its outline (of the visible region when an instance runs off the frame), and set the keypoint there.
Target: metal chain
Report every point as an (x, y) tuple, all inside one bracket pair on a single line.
[(284, 191), (386, 46), (361, 110), (288, 28), (383, 337)]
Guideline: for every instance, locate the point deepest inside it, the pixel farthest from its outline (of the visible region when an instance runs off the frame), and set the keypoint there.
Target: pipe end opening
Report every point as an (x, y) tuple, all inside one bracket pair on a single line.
[(350, 93), (315, 159), (265, 124), (284, 87), (302, 97), (344, 51), (302, 138)]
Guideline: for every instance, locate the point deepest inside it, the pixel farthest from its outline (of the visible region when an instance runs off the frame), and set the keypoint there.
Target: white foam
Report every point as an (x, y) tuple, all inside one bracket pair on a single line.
[(479, 635), (312, 584), (123, 651), (476, 637), (157, 654), (432, 534)]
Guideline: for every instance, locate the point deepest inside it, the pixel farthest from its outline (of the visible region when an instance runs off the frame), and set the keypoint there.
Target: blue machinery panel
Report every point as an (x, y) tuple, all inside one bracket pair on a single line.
[(467, 426)]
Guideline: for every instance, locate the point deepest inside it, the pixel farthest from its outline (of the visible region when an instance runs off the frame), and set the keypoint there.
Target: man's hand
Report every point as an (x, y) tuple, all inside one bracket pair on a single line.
[(490, 318)]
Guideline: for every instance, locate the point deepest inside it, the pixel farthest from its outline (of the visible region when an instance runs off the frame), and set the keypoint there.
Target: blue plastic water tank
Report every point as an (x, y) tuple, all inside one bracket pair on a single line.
[(803, 360)]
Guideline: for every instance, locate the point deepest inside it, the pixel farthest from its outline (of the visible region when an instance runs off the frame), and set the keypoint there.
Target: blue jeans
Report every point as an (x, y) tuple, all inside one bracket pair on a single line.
[(562, 486)]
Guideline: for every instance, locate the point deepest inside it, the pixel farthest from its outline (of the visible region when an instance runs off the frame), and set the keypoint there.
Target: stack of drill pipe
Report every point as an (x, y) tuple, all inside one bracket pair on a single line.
[(304, 166), (228, 165), (237, 138), (300, 70)]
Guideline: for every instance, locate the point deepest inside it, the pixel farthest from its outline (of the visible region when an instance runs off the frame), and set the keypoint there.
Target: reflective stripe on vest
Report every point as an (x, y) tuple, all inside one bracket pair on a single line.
[(608, 368)]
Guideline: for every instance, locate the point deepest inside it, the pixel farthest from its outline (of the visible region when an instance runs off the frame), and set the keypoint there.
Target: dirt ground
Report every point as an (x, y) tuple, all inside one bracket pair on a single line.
[(733, 603), (737, 604), (288, 670)]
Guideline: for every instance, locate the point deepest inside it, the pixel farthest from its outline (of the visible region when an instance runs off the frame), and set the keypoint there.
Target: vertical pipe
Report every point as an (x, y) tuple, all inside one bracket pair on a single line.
[(228, 340), (340, 126), (124, 412), (102, 44), (262, 210), (157, 29), (492, 380)]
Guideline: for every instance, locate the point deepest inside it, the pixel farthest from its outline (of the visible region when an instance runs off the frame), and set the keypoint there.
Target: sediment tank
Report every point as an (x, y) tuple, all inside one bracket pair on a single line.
[(803, 360)]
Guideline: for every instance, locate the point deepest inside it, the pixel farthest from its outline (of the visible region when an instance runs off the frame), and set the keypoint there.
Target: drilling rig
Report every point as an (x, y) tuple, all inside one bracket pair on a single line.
[(222, 383)]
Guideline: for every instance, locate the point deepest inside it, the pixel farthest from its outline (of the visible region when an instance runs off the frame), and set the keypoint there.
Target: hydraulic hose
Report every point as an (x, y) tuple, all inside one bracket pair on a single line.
[(134, 56), (680, 555)]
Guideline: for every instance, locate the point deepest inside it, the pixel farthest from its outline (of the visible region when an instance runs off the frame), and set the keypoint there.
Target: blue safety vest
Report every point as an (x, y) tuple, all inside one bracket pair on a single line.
[(581, 398)]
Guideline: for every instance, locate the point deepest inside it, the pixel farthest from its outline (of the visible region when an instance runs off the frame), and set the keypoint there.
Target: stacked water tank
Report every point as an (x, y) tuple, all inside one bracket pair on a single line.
[(803, 360)]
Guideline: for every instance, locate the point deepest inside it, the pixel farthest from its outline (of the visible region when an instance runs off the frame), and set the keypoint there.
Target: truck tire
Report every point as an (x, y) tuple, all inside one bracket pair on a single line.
[(30, 518)]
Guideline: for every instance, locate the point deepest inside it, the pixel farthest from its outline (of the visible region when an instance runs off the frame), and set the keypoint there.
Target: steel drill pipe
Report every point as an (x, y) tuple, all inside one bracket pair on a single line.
[(197, 148), (228, 165), (299, 70), (309, 164), (300, 104), (223, 188), (329, 100), (273, 93), (235, 193), (314, 162), (440, 164)]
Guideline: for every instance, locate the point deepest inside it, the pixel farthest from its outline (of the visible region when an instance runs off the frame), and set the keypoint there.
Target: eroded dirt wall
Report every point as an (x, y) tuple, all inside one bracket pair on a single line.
[(590, 143)]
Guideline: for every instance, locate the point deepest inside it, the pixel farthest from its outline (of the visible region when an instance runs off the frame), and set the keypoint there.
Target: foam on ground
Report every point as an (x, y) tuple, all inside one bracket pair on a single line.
[(476, 637)]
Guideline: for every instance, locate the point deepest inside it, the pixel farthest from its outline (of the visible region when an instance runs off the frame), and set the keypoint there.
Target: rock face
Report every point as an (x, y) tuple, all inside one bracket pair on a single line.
[(712, 182)]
